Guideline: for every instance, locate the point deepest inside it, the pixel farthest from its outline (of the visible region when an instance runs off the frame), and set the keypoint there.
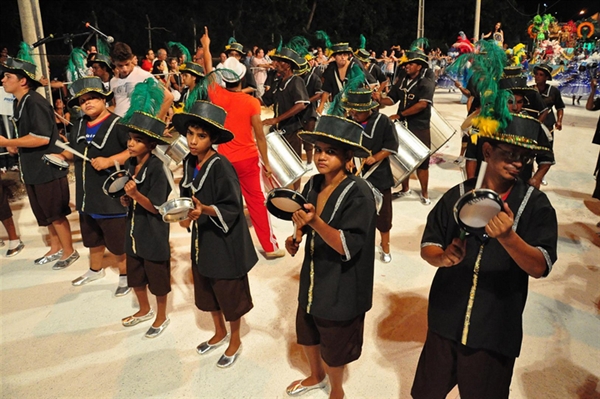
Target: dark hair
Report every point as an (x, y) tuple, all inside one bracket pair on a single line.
[(230, 85), (257, 50), (207, 127), (121, 52)]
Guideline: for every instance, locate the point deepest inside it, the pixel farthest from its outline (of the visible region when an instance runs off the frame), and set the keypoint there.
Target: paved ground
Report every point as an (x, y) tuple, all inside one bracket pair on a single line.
[(59, 341)]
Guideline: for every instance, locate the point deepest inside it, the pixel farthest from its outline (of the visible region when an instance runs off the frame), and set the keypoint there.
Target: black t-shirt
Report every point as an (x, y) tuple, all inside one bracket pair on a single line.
[(333, 84), (408, 92), (147, 235), (379, 134), (34, 115), (377, 73), (110, 139), (500, 291), (313, 86), (284, 94)]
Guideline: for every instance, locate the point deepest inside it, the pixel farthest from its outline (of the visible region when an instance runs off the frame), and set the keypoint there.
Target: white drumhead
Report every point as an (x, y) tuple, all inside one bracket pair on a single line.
[(118, 184), (476, 214), (56, 160), (285, 204)]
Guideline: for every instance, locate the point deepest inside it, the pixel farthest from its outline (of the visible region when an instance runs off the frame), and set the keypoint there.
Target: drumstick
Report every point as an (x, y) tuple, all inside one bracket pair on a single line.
[(117, 166), (66, 147), (169, 178), (481, 174)]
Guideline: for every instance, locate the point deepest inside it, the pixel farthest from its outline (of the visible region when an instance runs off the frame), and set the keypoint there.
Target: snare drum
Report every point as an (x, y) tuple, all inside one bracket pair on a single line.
[(176, 209), (441, 131), (476, 208), (114, 185), (55, 161), (285, 164), (411, 153), (283, 202)]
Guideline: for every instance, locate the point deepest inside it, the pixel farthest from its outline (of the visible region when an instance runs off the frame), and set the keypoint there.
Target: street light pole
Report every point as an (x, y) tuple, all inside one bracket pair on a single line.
[(421, 19), (477, 16)]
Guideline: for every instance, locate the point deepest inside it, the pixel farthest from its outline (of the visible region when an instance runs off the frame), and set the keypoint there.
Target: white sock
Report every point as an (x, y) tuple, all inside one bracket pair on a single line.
[(12, 244), (91, 273), (123, 281)]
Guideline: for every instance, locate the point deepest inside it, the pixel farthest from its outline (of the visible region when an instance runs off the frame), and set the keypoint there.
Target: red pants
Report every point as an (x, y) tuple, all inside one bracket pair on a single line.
[(249, 173)]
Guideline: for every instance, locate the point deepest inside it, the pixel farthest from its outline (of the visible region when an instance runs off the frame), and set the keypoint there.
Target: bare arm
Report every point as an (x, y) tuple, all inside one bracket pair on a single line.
[(287, 114), (27, 141), (415, 109), (589, 105), (440, 257), (324, 99)]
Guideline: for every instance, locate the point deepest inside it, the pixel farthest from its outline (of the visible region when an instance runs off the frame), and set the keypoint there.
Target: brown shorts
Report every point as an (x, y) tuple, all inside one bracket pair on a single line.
[(425, 137), (142, 272), (444, 363), (108, 232), (340, 341), (230, 296), (384, 219), (5, 212), (49, 201), (295, 142)]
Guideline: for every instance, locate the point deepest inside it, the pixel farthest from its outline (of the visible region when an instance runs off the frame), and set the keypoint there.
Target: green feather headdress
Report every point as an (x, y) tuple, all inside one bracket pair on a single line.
[(280, 45), (419, 44), (487, 67), (103, 47), (76, 66), (146, 97), (356, 80), (363, 41), (231, 40), (299, 44), (200, 91), (322, 35), (25, 53), (187, 57)]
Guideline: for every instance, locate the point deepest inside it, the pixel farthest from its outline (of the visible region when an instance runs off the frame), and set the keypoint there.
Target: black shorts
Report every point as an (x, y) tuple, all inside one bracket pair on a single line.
[(230, 296), (444, 363), (425, 136), (384, 219), (108, 232), (340, 342), (142, 272), (49, 201)]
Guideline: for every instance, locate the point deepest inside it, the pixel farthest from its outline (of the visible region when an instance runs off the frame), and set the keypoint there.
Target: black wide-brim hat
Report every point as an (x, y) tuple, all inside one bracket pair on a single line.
[(289, 55), (341, 48), (339, 132), (85, 85), (362, 55), (523, 131), (359, 101), (234, 47), (147, 124), (192, 68), (203, 112), (101, 59), (517, 84), (416, 57), (546, 68), (21, 67)]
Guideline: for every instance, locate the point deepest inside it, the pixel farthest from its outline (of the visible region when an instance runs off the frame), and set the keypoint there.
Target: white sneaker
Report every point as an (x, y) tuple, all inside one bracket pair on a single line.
[(401, 194), (384, 257)]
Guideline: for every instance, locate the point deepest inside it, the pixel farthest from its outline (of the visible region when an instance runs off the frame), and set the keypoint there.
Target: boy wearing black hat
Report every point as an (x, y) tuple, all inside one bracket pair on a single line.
[(478, 294), (550, 95), (336, 280), (103, 219), (147, 236), (380, 138), (222, 250), (47, 186)]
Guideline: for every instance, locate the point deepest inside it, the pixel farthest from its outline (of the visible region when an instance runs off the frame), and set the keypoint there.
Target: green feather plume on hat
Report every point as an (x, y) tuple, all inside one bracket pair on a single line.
[(76, 66), (103, 47), (280, 45), (419, 44), (200, 91), (25, 53), (146, 97), (231, 40), (322, 35), (299, 44), (187, 57), (363, 41), (356, 80), (487, 67)]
